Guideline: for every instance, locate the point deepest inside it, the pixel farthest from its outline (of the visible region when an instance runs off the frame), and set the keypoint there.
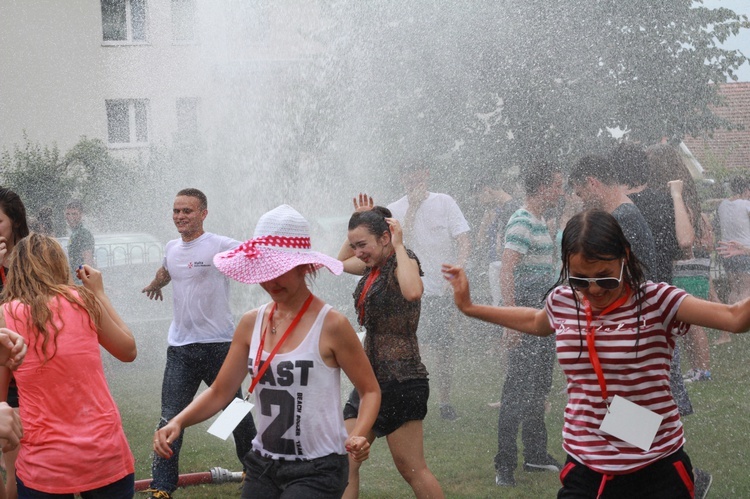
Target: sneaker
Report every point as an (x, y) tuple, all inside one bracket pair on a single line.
[(158, 494), (448, 413), (695, 375), (548, 463), (702, 483), (504, 477)]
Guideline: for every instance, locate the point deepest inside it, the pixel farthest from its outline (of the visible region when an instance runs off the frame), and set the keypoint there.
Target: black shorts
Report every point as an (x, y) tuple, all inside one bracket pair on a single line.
[(670, 477), (13, 394), (399, 402)]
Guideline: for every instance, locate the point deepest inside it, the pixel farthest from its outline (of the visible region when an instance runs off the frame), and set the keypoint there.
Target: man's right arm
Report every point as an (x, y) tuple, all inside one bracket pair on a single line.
[(153, 290)]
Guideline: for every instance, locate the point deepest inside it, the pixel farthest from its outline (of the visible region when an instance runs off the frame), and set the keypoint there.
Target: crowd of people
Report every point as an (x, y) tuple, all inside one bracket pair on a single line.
[(613, 278)]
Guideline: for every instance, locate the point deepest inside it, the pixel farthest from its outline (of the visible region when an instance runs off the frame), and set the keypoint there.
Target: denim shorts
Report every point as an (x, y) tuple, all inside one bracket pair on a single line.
[(324, 477), (739, 264), (400, 402)]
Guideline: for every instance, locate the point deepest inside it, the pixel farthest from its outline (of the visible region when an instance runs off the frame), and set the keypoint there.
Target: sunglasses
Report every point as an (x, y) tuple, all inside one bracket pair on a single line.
[(602, 282)]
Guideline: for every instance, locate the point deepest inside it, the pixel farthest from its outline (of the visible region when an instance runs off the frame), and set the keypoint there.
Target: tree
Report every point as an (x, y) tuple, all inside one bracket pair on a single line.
[(115, 193), (493, 83)]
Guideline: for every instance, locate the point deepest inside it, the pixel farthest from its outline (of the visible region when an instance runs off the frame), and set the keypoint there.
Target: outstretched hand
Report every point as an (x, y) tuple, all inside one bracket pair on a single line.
[(153, 292), (456, 277), (364, 203), (732, 248)]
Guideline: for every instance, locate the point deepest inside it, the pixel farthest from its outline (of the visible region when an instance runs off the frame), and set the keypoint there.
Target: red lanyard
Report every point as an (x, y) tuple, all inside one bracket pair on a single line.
[(374, 273), (288, 331), (590, 341)]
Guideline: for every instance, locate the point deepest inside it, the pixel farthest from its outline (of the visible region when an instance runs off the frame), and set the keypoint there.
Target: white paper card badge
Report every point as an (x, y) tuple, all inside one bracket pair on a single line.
[(631, 423), (230, 418)]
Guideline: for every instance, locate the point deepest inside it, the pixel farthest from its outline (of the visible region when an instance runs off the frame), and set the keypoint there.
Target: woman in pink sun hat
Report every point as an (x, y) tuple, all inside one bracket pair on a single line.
[(294, 348)]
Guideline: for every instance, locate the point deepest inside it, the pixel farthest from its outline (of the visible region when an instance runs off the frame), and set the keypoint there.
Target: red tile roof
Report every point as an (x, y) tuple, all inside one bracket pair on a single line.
[(729, 149)]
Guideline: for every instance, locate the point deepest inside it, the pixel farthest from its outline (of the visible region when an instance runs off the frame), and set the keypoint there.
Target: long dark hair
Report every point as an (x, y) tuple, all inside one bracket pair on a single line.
[(596, 235)]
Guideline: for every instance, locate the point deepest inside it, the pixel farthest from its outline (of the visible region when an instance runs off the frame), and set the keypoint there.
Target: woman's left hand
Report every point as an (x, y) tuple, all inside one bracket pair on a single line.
[(397, 232), (358, 448)]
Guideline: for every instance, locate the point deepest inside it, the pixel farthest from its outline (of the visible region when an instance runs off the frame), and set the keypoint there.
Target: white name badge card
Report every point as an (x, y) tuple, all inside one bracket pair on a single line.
[(631, 423), (230, 418)]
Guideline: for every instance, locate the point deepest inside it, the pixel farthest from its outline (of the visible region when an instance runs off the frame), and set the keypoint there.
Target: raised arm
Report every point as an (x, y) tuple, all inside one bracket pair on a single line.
[(114, 334), (525, 319), (217, 396), (352, 264), (734, 318), (683, 225), (153, 290), (407, 270)]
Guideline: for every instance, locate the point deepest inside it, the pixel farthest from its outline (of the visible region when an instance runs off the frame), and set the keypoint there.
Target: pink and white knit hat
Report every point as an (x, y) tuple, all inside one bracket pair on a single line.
[(281, 242)]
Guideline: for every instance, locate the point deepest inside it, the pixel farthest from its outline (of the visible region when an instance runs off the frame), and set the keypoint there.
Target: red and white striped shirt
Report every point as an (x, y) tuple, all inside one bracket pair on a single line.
[(635, 352)]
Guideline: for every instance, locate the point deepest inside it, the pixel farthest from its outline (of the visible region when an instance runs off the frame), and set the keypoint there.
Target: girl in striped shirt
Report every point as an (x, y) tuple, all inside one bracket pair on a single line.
[(615, 334)]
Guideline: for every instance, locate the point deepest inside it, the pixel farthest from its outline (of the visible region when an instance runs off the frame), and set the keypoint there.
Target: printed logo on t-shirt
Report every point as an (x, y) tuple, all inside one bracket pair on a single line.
[(198, 264)]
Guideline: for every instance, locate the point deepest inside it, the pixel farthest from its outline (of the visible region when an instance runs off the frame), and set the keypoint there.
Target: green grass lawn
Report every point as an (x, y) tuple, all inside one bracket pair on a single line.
[(460, 453)]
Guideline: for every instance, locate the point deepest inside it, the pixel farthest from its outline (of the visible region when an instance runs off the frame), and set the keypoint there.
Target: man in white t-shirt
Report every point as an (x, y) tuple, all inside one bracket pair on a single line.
[(734, 220), (201, 330), (437, 232)]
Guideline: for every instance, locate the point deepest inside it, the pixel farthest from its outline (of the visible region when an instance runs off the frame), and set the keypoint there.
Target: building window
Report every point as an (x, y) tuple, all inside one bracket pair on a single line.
[(127, 122), (124, 21), (183, 21), (187, 118)]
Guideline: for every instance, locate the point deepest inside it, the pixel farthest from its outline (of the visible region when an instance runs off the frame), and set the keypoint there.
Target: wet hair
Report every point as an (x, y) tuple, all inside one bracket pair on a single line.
[(373, 220), (666, 165), (74, 204), (195, 193), (597, 167), (596, 235), (13, 207), (630, 163), (538, 174), (38, 272), (739, 184)]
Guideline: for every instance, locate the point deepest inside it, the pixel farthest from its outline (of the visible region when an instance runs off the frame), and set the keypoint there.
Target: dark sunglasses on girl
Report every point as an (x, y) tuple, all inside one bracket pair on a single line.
[(602, 282)]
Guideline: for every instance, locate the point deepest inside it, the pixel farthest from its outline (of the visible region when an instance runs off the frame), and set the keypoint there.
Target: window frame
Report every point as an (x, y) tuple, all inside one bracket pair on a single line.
[(133, 125), (129, 26)]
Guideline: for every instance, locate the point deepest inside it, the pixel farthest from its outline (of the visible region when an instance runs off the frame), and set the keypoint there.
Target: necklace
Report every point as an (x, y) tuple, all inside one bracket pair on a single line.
[(277, 321)]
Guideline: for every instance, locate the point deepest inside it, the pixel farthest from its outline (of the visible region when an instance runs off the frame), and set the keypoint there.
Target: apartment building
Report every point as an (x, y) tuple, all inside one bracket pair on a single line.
[(136, 73)]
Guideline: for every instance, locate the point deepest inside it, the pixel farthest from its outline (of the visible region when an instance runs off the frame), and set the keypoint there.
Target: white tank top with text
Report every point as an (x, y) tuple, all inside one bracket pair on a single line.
[(298, 400)]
